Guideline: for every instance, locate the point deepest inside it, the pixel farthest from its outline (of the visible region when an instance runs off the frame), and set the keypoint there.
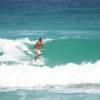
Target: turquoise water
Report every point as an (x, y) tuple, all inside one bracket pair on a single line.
[(47, 95), (71, 33), (73, 51)]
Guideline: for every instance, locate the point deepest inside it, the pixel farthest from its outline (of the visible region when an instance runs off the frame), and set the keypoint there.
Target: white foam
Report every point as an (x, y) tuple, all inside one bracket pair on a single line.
[(48, 40), (24, 75), (31, 76), (13, 50)]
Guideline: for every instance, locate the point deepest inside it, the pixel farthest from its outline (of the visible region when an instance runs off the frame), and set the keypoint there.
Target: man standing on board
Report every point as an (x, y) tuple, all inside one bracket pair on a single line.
[(37, 46)]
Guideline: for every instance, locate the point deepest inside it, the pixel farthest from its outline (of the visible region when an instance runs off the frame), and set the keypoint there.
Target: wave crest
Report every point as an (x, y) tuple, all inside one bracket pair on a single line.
[(31, 76)]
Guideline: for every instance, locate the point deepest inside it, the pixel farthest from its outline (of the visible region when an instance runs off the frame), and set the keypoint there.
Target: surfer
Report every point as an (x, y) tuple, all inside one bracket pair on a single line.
[(37, 46)]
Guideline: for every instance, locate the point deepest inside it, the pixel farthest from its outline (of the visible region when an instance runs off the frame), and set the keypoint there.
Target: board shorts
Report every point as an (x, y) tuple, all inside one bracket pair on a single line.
[(38, 51)]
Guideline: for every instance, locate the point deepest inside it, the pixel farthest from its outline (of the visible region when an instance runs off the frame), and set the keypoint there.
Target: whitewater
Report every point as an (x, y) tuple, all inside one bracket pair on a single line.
[(32, 76), (16, 70)]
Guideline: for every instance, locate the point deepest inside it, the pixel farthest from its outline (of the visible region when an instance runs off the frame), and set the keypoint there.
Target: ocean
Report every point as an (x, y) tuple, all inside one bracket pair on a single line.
[(71, 34)]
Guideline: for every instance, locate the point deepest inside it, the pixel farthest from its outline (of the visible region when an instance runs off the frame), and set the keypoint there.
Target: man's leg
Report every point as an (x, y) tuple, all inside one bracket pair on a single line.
[(37, 56)]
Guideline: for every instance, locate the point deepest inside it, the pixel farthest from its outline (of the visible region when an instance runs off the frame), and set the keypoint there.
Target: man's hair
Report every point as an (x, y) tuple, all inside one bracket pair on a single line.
[(40, 39)]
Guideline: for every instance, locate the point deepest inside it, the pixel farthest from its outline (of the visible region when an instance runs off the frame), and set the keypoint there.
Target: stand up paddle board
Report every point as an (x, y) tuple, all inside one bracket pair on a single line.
[(37, 63)]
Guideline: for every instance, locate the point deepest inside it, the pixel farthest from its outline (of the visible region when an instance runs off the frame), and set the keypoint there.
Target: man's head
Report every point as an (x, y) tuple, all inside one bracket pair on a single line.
[(40, 39)]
